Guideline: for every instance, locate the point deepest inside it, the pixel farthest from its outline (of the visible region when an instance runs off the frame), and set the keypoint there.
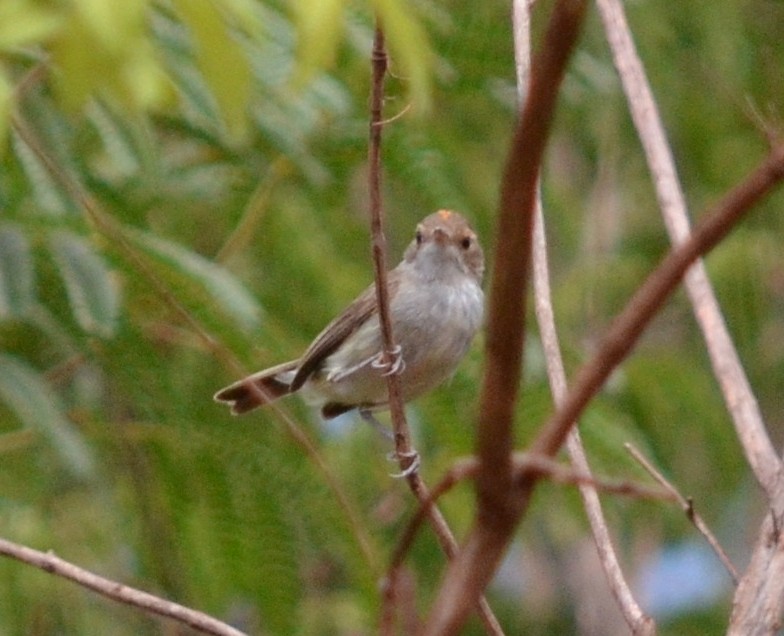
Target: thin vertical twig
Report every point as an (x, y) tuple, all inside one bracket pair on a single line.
[(379, 243), (635, 617), (403, 447)]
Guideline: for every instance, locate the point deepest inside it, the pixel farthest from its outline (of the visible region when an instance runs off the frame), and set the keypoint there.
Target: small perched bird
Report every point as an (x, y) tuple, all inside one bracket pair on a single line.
[(436, 307)]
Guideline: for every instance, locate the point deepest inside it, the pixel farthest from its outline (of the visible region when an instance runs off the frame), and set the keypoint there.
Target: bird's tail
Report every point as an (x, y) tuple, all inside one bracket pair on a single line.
[(258, 389)]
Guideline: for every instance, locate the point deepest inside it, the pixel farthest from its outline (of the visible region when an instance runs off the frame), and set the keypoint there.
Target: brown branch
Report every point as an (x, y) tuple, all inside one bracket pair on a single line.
[(499, 506), (687, 505), (403, 447), (738, 396), (506, 315), (524, 464), (115, 591)]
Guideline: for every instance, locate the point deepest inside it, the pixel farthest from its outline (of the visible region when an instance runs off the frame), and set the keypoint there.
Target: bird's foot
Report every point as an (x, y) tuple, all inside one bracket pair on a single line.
[(391, 362), (411, 456)]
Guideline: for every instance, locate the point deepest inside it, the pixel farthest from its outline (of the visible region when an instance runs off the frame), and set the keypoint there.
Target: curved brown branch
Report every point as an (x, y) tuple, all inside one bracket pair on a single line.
[(48, 562)]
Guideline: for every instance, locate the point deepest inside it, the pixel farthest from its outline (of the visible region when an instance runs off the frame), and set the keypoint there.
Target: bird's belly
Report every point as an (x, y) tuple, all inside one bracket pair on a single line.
[(433, 330)]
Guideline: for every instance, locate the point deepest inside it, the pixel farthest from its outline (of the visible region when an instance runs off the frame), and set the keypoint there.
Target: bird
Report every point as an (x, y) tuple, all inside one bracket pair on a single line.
[(436, 307)]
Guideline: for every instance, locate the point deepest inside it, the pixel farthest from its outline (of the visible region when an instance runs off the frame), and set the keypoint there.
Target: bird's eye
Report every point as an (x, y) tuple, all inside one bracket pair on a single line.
[(466, 242), (419, 238)]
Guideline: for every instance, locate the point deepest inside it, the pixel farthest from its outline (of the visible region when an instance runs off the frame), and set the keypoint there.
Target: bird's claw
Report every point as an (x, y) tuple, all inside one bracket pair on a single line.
[(394, 366), (413, 467)]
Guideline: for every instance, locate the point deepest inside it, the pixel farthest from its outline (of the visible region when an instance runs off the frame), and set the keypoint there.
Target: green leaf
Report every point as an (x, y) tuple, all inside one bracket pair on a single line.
[(6, 99), (220, 58), (17, 278), (46, 194), (226, 292), (92, 291), (37, 406), (23, 22), (318, 32), (104, 48)]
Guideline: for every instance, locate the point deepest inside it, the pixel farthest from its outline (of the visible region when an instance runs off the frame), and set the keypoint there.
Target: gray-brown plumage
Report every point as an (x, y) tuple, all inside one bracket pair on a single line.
[(436, 307)]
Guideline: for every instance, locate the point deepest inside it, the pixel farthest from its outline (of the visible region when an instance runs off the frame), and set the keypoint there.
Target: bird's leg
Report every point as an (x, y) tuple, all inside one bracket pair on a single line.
[(393, 456), (367, 415)]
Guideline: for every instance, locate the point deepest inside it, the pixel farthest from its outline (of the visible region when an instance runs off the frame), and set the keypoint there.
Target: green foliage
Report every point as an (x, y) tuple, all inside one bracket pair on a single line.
[(36, 407), (182, 193)]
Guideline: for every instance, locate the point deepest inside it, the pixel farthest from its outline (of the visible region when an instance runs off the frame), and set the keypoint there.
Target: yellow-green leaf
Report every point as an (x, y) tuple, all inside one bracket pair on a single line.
[(318, 25), (92, 291), (23, 22), (225, 66)]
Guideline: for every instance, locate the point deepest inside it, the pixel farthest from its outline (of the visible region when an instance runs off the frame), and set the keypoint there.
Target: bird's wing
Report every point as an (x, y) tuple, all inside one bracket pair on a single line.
[(336, 332)]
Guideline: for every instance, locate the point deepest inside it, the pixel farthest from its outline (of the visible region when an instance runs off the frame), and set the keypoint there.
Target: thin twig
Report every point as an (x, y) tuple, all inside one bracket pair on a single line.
[(636, 618), (687, 504), (523, 465), (738, 396), (399, 425), (48, 562), (403, 446)]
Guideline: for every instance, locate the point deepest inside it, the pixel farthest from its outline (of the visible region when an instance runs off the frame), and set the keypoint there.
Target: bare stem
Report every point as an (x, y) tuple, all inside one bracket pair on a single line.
[(403, 445), (48, 562), (687, 505)]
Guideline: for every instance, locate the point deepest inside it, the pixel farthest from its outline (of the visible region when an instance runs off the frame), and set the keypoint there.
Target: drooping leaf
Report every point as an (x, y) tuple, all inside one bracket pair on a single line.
[(48, 196), (225, 291), (318, 32), (28, 395), (220, 58), (92, 291), (17, 279), (23, 22), (6, 96)]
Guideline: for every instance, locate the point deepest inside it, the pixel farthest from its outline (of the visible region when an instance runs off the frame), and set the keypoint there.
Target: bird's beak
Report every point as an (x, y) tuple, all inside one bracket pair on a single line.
[(440, 235)]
